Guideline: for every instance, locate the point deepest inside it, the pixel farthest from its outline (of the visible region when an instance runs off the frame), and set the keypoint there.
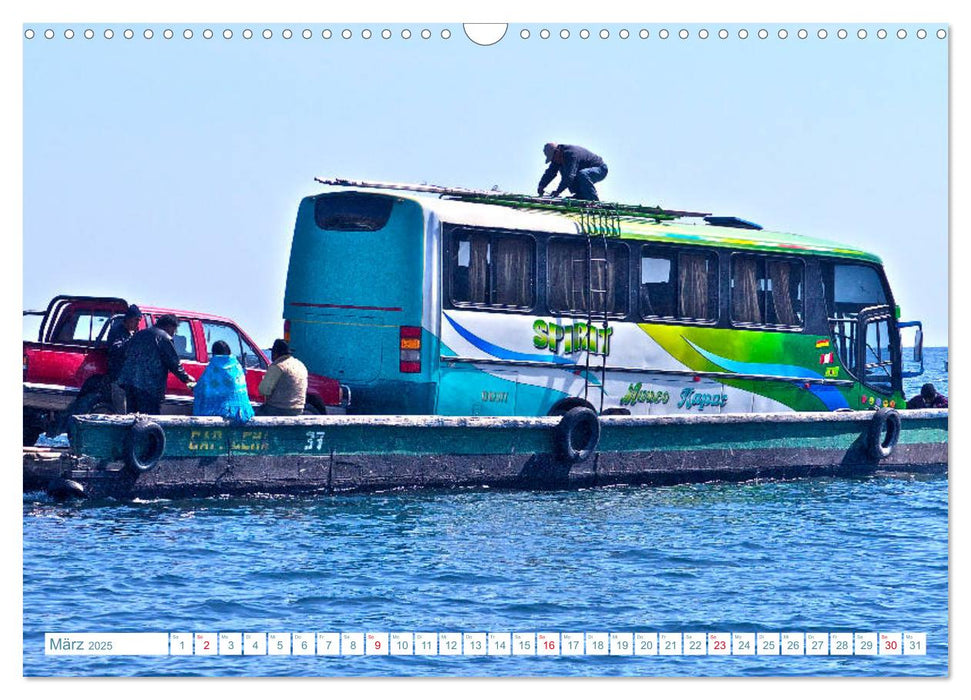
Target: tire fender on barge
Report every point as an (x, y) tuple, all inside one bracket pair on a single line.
[(576, 436), (883, 433), (144, 446)]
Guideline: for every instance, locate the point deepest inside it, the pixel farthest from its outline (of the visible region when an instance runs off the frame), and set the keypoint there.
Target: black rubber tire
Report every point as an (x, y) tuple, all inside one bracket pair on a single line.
[(576, 436), (885, 420), (615, 412), (144, 446), (62, 489)]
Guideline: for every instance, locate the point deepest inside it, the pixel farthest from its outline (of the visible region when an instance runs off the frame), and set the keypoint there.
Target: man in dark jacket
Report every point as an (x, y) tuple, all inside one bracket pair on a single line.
[(150, 357), (578, 169), (121, 331), (928, 398)]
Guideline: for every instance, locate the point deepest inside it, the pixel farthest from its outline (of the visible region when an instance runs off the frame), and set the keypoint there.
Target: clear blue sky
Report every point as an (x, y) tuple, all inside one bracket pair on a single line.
[(169, 171)]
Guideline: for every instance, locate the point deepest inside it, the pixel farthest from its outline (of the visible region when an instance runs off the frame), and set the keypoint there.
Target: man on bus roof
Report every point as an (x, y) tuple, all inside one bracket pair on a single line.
[(578, 168)]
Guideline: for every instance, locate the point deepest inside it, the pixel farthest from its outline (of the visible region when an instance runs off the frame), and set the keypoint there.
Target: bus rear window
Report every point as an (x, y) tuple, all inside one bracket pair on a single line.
[(353, 212)]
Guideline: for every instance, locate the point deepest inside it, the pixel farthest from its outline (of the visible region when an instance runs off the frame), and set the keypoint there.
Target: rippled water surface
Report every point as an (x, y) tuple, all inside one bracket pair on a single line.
[(806, 555)]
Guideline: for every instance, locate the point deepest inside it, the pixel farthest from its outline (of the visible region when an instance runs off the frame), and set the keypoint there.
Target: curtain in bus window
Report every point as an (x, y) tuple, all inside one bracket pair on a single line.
[(479, 269), (612, 277), (567, 276), (745, 290), (782, 302), (693, 286), (513, 262)]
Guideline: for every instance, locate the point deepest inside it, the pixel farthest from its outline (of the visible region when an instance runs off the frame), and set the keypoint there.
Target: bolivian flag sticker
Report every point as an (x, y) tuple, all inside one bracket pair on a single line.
[(824, 343)]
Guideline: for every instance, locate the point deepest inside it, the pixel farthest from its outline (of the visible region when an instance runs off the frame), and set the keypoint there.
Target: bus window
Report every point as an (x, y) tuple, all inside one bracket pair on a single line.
[(767, 291), (878, 367), (851, 288), (352, 211), (679, 285), (569, 289), (491, 269)]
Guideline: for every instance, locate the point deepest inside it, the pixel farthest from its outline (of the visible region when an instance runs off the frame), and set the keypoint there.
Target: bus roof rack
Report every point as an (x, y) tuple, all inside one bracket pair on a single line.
[(521, 201)]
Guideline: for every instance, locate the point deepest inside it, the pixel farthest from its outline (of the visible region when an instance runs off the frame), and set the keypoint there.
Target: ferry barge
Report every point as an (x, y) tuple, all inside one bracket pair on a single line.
[(497, 340)]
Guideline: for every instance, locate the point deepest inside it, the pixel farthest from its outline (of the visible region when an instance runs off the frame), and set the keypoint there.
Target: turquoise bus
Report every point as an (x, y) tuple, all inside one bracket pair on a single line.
[(477, 303)]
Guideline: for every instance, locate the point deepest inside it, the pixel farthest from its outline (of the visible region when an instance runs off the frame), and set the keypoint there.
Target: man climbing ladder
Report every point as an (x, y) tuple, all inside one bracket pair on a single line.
[(578, 168)]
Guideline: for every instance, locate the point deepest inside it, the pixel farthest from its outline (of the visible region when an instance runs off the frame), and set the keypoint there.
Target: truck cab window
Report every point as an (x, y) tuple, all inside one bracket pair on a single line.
[(183, 341), (82, 327), (244, 352)]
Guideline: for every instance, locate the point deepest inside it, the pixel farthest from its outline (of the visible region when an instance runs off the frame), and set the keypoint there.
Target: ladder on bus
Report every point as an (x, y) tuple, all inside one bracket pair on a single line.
[(597, 227)]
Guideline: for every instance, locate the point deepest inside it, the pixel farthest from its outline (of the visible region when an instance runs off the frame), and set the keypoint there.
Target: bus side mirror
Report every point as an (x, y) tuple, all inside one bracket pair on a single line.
[(918, 354)]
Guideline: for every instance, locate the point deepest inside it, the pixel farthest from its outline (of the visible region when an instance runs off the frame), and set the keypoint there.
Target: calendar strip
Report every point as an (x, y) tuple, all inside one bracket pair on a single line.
[(487, 644)]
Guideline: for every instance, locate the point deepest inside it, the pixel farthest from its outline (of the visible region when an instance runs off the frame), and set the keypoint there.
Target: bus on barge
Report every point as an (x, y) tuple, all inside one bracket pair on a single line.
[(480, 303)]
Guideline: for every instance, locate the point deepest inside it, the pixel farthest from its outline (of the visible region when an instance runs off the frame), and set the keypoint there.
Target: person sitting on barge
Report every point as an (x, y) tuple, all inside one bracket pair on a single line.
[(928, 398), (221, 390), (285, 384)]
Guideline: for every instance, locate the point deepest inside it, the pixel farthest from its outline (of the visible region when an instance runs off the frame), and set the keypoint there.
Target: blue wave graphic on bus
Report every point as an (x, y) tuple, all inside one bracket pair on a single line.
[(504, 353), (829, 395)]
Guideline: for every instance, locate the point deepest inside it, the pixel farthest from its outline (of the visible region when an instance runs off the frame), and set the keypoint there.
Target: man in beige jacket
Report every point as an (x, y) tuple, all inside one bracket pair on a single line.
[(284, 387)]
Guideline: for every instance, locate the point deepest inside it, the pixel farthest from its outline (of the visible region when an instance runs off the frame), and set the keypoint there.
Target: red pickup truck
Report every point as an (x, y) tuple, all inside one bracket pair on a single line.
[(69, 358)]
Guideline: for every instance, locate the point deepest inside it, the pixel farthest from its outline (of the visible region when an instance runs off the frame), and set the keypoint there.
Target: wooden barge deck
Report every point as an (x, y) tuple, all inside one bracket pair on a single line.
[(329, 454)]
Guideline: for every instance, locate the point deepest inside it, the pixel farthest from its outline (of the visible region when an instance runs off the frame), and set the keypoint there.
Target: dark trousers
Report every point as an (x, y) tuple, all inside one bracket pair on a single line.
[(583, 183), (141, 401)]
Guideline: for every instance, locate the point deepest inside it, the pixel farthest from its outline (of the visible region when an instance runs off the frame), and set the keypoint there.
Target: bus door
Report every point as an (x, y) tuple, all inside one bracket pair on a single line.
[(879, 349)]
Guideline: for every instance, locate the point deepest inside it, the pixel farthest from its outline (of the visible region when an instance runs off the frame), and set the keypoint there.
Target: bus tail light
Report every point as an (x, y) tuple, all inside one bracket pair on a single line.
[(410, 347), (286, 330)]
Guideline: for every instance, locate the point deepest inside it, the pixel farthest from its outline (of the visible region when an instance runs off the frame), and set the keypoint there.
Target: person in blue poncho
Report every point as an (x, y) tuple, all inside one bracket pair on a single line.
[(221, 390)]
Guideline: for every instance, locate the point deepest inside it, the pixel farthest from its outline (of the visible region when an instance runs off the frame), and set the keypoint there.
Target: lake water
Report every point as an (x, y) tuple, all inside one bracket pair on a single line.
[(843, 555)]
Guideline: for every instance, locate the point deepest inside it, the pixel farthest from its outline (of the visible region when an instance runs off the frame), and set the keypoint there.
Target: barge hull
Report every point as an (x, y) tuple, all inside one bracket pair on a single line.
[(332, 454)]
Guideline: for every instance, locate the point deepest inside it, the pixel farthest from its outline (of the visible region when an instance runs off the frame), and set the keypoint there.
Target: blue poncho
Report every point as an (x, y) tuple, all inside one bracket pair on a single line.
[(221, 390)]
